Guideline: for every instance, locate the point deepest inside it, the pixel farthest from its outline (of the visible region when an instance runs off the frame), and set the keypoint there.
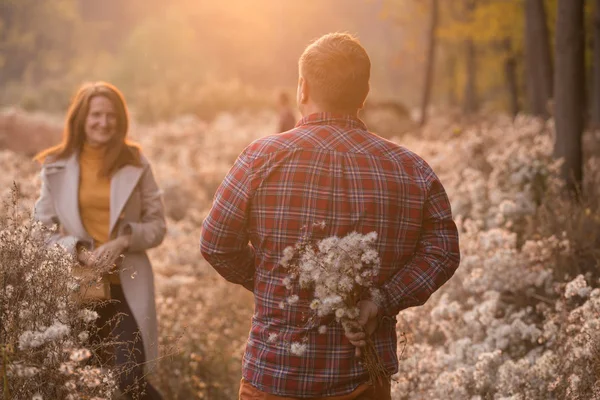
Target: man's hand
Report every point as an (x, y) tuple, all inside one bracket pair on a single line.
[(367, 323), (106, 255)]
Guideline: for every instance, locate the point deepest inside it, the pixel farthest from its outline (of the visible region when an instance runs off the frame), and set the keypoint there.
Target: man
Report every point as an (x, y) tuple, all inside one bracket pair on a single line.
[(328, 169), (287, 120)]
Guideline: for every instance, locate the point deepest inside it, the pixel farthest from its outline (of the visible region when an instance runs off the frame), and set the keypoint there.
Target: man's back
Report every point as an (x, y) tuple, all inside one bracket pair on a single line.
[(329, 170)]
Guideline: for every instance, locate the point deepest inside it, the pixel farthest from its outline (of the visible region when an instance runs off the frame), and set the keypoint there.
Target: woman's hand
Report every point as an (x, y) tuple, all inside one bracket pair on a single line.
[(85, 257), (107, 254)]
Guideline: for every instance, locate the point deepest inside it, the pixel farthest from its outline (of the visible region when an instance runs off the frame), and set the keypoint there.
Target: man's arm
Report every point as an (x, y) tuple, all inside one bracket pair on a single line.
[(436, 258), (224, 239)]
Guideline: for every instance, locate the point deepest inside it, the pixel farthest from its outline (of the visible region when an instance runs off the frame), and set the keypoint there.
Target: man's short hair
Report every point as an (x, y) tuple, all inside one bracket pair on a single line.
[(337, 69)]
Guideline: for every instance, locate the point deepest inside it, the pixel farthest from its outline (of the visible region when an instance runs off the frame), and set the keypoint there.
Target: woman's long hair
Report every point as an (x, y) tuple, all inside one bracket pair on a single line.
[(119, 152)]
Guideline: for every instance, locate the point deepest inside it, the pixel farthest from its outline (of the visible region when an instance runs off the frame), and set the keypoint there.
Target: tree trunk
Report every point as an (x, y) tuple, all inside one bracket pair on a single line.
[(470, 90), (8, 70), (570, 89), (452, 95), (428, 84), (537, 58), (510, 71), (470, 98), (595, 76)]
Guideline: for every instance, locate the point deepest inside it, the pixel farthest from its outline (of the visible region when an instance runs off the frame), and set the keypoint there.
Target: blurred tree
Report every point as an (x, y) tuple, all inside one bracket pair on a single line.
[(174, 49), (160, 63), (409, 52), (595, 75), (430, 60), (489, 37), (450, 77), (537, 57), (37, 39), (484, 39), (470, 102), (569, 83), (46, 50), (511, 74)]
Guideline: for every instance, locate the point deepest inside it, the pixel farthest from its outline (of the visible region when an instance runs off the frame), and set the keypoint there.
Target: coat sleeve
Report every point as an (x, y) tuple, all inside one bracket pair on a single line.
[(151, 229), (45, 213)]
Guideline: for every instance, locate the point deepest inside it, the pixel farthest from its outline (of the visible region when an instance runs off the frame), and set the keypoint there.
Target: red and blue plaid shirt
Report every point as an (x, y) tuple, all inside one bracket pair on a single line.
[(329, 168)]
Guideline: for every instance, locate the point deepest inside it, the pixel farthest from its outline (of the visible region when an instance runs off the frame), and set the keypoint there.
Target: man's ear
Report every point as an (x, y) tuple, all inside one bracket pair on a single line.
[(304, 90), (365, 100)]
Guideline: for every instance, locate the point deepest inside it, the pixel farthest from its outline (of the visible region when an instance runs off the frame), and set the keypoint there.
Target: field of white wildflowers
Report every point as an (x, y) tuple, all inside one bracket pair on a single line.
[(46, 336), (519, 320)]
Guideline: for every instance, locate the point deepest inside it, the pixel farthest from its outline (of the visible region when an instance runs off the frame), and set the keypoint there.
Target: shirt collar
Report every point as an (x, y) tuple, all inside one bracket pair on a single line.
[(327, 118)]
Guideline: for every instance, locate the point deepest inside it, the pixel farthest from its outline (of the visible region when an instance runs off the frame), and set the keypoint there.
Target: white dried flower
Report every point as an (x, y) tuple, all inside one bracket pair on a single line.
[(288, 254), (321, 224), (83, 336), (79, 355), (56, 331), (71, 385), (287, 282), (8, 291), (31, 340), (298, 349), (577, 287), (67, 368), (88, 316), (24, 371)]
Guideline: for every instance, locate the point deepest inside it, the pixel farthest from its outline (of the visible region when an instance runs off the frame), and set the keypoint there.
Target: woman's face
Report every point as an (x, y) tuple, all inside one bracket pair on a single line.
[(101, 122)]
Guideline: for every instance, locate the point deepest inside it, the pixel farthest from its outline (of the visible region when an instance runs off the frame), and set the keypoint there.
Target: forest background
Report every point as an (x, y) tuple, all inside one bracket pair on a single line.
[(202, 57)]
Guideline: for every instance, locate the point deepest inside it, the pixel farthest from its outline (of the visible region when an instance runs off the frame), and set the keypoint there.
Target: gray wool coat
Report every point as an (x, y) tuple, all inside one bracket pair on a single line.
[(135, 201)]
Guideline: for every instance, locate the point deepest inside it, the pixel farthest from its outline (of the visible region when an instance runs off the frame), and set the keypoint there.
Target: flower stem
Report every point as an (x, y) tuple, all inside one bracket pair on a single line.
[(377, 372), (4, 372)]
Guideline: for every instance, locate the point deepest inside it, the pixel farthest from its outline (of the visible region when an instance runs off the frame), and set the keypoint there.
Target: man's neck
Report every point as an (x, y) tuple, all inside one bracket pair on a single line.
[(316, 109)]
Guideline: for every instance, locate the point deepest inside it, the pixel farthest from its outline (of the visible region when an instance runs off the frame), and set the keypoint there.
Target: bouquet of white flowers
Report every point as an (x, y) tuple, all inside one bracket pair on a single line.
[(341, 271)]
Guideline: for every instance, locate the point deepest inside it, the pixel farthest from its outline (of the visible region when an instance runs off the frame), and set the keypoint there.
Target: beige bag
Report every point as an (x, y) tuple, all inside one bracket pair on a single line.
[(91, 287)]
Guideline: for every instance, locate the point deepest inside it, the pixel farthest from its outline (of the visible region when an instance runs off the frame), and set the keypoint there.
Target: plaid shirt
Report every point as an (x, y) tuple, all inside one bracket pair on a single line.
[(329, 168)]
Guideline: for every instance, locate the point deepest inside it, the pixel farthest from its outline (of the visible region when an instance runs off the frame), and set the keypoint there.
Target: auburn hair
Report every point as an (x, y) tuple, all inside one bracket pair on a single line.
[(119, 151)]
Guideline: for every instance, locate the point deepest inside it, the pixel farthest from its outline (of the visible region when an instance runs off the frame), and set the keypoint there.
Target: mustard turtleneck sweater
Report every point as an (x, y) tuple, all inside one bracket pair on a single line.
[(94, 197), (94, 194)]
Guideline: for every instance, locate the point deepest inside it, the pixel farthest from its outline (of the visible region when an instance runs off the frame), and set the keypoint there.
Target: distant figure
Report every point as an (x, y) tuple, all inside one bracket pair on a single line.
[(287, 119), (99, 189)]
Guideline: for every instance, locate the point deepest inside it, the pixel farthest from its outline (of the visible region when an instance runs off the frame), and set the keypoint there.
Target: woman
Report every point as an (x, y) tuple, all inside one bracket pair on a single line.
[(100, 190)]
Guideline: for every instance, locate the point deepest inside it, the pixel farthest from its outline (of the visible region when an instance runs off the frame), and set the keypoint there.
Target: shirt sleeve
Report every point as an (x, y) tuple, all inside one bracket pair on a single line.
[(435, 260), (224, 241)]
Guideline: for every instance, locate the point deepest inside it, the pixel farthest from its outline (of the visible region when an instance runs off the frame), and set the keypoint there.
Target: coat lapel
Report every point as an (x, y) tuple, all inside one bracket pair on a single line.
[(121, 186), (63, 177)]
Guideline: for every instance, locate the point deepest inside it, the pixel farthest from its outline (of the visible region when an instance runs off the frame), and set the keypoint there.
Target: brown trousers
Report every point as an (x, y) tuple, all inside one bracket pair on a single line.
[(363, 392)]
